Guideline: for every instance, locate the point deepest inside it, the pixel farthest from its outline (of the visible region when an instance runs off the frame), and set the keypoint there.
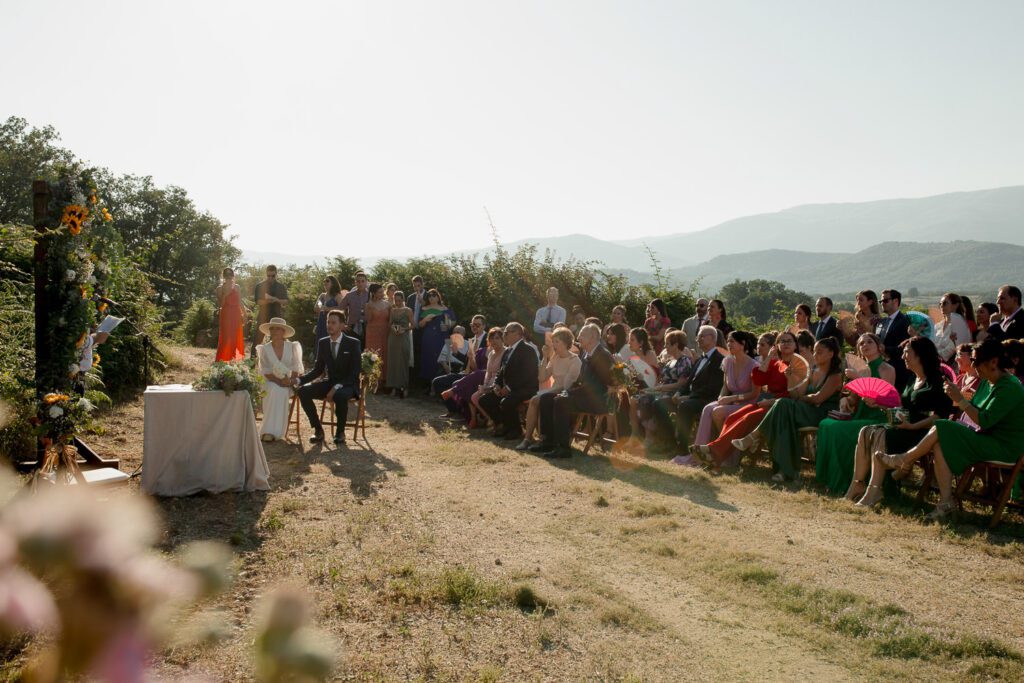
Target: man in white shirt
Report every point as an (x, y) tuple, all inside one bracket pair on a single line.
[(691, 325), (549, 315)]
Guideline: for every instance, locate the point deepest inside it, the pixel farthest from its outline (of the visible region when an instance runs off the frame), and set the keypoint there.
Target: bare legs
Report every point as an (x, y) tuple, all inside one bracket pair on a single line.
[(880, 462)]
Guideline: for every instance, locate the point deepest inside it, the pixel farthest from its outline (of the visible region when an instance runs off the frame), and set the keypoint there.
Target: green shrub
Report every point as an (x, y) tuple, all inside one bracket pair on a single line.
[(198, 327)]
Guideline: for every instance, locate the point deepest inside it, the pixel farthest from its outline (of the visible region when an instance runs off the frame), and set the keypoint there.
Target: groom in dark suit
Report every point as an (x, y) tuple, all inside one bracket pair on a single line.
[(589, 394), (335, 377), (515, 382), (704, 386)]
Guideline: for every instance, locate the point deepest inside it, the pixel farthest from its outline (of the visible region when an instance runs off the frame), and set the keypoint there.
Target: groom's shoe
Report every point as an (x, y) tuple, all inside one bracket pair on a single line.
[(339, 438), (318, 436)]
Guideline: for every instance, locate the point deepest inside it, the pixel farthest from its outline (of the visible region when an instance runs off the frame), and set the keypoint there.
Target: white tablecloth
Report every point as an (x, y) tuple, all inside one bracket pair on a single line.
[(200, 441)]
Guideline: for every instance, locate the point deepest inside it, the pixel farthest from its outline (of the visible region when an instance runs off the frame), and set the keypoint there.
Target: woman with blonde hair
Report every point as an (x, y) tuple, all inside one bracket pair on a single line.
[(557, 372)]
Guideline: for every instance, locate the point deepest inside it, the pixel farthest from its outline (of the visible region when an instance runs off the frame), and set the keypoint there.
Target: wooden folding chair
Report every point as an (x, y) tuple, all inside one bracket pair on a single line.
[(359, 421), (294, 418), (809, 442), (596, 427), (997, 479)]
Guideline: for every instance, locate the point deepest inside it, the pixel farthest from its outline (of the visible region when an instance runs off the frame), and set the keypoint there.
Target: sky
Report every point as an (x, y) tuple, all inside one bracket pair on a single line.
[(386, 128)]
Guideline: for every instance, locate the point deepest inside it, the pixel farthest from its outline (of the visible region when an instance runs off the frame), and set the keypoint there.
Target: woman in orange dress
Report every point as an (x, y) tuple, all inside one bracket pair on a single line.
[(378, 323), (230, 344)]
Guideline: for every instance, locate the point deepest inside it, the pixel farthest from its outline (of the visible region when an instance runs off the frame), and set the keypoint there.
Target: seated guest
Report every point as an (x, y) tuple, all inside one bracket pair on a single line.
[(984, 314), (452, 363), (665, 356), (968, 314), (657, 323), (956, 446), (952, 329), (837, 439), (589, 394), (894, 329), (827, 326), (481, 381), (280, 363), (641, 356), (805, 407), (1011, 321), (334, 377), (549, 314), (1014, 350), (515, 383), (716, 318), (558, 371), (779, 369), (738, 389), (651, 408), (616, 340), (968, 382), (805, 345), (802, 319), (703, 387), (925, 401)]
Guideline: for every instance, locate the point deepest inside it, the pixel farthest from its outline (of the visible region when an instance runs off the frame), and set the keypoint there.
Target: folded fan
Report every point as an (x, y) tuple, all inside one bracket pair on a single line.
[(878, 390)]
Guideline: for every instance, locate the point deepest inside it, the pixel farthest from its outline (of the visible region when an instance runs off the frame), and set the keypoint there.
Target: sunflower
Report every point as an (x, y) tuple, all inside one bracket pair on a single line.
[(50, 399), (95, 359), (74, 216), (106, 215)]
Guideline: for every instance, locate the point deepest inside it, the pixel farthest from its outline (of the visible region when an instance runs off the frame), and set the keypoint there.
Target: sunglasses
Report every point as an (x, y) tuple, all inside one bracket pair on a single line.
[(885, 301)]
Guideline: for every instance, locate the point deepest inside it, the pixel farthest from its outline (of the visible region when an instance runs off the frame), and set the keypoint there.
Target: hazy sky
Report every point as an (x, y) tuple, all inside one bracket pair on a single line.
[(378, 128)]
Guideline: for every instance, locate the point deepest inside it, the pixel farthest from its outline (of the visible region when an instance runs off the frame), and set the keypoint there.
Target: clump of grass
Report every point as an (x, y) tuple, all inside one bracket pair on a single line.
[(601, 502), (489, 674), (461, 587), (527, 599), (644, 510), (664, 551), (273, 521), (291, 505), (626, 616)]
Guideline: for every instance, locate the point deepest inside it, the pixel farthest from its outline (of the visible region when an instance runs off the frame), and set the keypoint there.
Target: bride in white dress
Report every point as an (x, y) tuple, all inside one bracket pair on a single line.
[(280, 362)]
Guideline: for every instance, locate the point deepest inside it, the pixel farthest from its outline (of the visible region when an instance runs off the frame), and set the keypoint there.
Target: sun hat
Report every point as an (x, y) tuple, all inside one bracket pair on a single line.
[(289, 331)]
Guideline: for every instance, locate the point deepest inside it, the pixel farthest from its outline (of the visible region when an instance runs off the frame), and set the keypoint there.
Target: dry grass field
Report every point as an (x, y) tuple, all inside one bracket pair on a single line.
[(434, 554)]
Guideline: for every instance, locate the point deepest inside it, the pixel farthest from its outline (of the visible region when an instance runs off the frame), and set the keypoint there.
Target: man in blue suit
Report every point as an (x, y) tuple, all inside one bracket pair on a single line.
[(894, 329), (334, 377)]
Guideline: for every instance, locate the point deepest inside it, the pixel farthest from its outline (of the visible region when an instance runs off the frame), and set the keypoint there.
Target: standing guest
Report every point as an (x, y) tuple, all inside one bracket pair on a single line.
[(894, 329), (280, 363), (558, 370), (619, 316), (329, 300), (827, 326), (865, 317), (738, 389), (354, 306), (478, 385), (923, 399), (270, 297), (1014, 350), (691, 325), (704, 386), (378, 322), (478, 326), (716, 318), (985, 313), (780, 427), (389, 292), (952, 330), (399, 341), (956, 446), (968, 314), (579, 319), (334, 377), (230, 341), (548, 315), (837, 439), (515, 383), (1011, 321), (417, 300), (656, 324), (436, 321), (589, 394), (802, 319)]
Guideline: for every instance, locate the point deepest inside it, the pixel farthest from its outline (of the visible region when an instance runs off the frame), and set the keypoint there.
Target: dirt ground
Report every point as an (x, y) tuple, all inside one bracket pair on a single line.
[(433, 553)]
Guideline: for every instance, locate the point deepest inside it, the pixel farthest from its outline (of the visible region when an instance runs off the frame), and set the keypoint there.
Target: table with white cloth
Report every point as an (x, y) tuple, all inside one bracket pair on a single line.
[(200, 441)]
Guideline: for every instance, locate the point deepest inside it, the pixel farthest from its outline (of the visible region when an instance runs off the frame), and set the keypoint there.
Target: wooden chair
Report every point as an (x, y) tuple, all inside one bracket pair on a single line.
[(358, 422), (809, 441), (596, 427), (294, 418), (997, 478)]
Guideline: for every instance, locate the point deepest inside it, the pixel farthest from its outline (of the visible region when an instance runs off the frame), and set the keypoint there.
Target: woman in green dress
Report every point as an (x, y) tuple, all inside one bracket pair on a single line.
[(956, 446), (837, 439), (780, 428), (925, 401)]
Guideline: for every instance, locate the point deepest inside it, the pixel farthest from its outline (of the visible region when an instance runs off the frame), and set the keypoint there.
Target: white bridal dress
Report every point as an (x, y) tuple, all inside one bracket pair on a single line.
[(277, 400)]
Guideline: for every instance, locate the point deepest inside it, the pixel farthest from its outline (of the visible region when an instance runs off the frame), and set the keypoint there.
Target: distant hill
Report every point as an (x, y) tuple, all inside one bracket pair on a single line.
[(957, 266)]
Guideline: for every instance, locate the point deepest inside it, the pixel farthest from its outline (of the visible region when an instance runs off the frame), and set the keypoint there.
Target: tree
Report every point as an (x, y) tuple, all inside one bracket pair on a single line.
[(26, 154), (762, 300)]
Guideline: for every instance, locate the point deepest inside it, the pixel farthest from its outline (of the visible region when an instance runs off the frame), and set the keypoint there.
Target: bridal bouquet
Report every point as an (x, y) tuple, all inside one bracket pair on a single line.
[(231, 377), (371, 365)]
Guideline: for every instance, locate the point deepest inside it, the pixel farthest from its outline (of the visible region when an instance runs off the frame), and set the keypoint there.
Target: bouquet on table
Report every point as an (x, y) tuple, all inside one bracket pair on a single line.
[(231, 377)]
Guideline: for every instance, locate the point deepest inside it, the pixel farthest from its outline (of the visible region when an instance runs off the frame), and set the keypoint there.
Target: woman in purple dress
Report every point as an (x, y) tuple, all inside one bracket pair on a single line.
[(463, 390), (738, 388)]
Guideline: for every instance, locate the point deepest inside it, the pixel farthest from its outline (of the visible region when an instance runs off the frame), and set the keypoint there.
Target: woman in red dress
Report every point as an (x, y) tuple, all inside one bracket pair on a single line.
[(656, 324), (230, 344), (378, 324)]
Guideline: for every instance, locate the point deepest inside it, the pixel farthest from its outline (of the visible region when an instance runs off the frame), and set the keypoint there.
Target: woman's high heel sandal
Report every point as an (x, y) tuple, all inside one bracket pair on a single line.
[(858, 487), (942, 511), (751, 443), (872, 496)]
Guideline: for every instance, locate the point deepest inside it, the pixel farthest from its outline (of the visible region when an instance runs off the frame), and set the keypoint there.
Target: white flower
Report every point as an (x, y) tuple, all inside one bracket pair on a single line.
[(55, 411), (70, 275), (280, 370), (92, 279)]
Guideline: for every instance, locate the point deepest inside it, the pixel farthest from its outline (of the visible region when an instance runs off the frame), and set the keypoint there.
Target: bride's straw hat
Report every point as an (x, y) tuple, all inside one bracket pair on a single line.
[(289, 331)]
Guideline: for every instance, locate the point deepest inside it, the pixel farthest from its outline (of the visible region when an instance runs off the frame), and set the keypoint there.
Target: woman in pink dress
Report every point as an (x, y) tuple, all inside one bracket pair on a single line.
[(657, 324), (378, 324), (738, 389)]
